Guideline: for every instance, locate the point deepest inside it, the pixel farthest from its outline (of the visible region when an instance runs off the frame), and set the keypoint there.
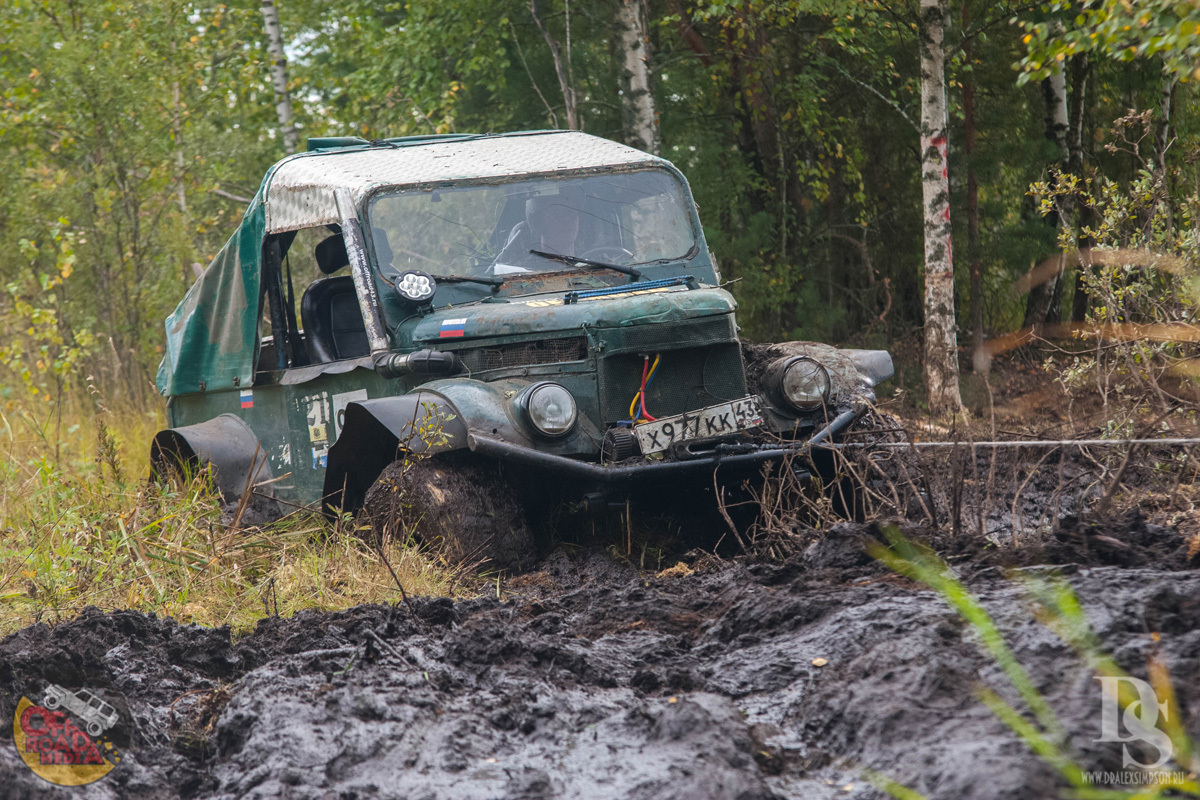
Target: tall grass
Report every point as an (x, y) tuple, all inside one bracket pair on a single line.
[(82, 525)]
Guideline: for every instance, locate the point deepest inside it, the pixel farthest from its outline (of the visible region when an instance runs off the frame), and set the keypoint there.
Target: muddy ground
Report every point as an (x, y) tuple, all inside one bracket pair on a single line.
[(592, 679)]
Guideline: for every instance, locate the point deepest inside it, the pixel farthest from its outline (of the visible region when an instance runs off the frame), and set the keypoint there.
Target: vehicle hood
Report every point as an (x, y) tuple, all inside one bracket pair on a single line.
[(548, 312)]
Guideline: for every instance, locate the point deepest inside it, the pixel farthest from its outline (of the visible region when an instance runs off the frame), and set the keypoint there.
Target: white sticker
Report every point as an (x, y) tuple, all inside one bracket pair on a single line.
[(340, 401)]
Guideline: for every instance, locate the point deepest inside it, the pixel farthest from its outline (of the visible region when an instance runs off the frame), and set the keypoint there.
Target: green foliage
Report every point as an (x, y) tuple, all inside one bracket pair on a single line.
[(1168, 30), (793, 120), (38, 347)]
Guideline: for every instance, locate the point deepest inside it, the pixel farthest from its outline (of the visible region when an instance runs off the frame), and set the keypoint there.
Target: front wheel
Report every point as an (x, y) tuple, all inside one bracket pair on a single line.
[(462, 509)]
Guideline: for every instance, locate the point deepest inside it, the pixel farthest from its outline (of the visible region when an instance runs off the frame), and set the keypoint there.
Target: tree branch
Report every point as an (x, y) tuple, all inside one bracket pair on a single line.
[(895, 106)]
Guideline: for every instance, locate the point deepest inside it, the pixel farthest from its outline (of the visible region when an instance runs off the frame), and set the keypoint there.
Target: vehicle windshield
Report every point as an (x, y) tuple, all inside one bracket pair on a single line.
[(501, 229)]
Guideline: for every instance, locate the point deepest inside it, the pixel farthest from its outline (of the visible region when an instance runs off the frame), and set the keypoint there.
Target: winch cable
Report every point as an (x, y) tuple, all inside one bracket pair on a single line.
[(1025, 443)]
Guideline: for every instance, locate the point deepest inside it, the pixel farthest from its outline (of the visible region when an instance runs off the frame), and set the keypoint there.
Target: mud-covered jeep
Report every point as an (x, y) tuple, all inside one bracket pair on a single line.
[(539, 308)]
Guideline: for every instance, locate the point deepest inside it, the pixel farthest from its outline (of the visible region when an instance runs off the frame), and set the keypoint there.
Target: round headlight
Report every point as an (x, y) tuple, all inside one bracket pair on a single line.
[(415, 286), (804, 384), (550, 408)]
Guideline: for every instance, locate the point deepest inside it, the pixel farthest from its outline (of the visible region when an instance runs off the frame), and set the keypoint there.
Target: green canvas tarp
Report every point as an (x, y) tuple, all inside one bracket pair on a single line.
[(212, 337)]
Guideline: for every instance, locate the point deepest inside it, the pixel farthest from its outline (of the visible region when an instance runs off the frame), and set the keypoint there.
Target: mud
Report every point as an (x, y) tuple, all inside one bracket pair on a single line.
[(589, 678), (462, 509)]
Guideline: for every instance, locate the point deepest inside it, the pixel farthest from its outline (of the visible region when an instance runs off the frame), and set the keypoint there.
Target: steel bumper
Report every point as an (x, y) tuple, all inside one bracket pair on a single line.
[(732, 455)]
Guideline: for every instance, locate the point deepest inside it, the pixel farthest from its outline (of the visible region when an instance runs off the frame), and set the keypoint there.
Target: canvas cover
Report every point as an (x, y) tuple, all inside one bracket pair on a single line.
[(212, 336)]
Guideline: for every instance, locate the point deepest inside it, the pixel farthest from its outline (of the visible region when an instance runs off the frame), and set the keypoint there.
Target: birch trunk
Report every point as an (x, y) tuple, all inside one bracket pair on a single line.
[(639, 115), (941, 349), (1058, 126), (279, 76)]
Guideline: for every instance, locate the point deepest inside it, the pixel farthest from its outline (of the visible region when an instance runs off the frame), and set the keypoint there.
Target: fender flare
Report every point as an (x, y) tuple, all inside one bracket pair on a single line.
[(375, 432), (226, 442)]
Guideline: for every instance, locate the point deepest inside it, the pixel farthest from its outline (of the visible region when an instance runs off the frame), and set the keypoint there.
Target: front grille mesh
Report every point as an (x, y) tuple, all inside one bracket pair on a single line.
[(686, 380), (524, 354), (651, 338)]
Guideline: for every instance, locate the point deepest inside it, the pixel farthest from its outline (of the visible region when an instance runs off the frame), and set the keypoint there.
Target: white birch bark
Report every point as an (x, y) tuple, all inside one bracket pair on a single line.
[(279, 76), (1058, 128), (941, 347), (639, 115)]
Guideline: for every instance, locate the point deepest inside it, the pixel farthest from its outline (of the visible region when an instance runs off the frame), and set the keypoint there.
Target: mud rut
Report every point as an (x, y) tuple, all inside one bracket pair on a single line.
[(592, 679)]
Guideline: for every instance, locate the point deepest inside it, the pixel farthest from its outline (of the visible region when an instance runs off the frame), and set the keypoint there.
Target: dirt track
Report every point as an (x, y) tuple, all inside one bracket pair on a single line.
[(593, 680)]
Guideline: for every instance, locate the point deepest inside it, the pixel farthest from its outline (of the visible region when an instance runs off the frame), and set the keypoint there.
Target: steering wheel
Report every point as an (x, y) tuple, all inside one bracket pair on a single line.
[(610, 253)]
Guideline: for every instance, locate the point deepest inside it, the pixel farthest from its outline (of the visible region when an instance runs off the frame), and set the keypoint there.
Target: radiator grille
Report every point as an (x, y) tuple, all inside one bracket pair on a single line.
[(686, 380), (523, 354)]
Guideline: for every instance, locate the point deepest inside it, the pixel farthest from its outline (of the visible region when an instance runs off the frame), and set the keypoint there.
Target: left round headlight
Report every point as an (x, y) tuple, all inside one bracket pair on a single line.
[(550, 409), (803, 383)]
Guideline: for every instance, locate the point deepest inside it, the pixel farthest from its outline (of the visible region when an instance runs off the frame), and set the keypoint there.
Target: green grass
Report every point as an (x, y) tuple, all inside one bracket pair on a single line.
[(81, 525)]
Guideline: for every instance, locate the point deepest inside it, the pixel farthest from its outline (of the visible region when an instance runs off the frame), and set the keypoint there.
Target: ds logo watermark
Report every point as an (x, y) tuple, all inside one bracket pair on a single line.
[(1138, 721)]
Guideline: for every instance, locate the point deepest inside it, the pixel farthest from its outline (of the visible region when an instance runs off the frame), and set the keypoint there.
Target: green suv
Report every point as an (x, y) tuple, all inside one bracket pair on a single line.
[(536, 312)]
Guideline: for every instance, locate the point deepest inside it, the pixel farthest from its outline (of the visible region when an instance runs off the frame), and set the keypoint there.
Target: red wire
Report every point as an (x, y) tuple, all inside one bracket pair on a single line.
[(646, 413)]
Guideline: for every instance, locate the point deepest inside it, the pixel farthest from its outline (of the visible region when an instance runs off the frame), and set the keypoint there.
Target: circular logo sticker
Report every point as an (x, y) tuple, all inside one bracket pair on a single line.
[(61, 739)]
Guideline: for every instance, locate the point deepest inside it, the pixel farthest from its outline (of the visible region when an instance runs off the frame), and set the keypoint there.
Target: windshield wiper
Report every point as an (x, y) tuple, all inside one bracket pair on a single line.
[(497, 282), (636, 274)]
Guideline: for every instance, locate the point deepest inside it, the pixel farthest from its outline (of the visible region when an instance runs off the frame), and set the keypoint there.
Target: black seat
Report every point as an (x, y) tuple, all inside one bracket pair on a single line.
[(333, 323)]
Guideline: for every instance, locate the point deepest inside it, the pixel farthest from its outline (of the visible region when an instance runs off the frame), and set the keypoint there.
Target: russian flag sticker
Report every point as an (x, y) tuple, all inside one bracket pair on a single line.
[(452, 328), (247, 398)]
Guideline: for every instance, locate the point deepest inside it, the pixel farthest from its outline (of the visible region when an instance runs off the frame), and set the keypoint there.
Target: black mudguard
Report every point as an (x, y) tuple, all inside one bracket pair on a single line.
[(376, 432), (225, 442)]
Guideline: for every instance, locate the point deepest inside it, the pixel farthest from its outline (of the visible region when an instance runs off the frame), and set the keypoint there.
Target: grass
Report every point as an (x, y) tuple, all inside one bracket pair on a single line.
[(81, 525)]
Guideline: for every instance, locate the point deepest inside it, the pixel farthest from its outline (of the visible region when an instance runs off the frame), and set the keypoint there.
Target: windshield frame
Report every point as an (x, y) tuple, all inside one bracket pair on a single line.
[(699, 244)]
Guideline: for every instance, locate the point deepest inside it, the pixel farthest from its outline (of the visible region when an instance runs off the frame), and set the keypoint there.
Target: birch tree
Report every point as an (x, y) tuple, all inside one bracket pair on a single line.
[(1058, 126), (639, 114), (941, 350), (279, 76)]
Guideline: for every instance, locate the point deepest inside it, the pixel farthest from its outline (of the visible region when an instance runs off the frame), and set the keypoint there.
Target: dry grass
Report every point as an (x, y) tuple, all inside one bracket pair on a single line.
[(81, 525)]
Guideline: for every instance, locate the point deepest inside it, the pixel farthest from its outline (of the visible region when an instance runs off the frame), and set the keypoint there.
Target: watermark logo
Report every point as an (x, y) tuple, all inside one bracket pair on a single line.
[(61, 740), (1136, 723)]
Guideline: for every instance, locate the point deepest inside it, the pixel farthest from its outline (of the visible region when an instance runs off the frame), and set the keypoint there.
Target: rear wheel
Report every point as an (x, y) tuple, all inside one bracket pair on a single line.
[(462, 509)]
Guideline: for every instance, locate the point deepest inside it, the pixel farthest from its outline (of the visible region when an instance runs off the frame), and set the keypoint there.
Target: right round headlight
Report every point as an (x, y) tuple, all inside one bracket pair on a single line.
[(804, 383), (550, 408)]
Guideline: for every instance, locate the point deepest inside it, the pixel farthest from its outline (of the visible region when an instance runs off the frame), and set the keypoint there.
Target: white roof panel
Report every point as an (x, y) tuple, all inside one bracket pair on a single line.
[(299, 194)]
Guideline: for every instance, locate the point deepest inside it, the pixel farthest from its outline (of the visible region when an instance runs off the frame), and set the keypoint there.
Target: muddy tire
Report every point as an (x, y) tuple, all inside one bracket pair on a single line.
[(463, 510)]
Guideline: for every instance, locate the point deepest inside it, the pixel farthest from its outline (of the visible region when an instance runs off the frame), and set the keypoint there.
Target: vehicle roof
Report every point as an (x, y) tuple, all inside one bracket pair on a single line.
[(299, 191)]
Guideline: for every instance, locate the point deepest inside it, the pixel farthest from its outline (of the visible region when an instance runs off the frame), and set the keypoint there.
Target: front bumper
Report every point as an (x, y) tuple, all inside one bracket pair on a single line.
[(732, 455)]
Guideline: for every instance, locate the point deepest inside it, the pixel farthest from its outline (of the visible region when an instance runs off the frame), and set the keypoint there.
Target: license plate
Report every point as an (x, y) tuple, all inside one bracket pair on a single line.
[(707, 423)]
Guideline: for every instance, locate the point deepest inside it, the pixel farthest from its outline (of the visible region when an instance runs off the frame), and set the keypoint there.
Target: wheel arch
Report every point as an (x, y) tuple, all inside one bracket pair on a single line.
[(226, 442), (373, 434)]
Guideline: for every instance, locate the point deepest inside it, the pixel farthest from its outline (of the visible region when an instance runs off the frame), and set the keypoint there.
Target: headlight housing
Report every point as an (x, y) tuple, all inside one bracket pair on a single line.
[(549, 408), (416, 286), (800, 382)]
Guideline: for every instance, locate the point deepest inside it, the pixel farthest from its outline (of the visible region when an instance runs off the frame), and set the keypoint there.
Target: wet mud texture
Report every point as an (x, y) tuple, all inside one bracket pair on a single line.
[(593, 680), (461, 508)]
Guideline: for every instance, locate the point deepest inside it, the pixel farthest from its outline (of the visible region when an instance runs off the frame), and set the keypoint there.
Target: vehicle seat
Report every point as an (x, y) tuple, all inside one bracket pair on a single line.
[(333, 323)]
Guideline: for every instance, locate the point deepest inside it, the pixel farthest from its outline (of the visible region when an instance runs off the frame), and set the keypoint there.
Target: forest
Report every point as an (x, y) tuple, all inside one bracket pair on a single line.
[(133, 134)]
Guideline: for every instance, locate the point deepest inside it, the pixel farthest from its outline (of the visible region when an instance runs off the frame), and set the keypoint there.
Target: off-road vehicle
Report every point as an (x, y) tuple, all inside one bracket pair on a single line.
[(537, 308)]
